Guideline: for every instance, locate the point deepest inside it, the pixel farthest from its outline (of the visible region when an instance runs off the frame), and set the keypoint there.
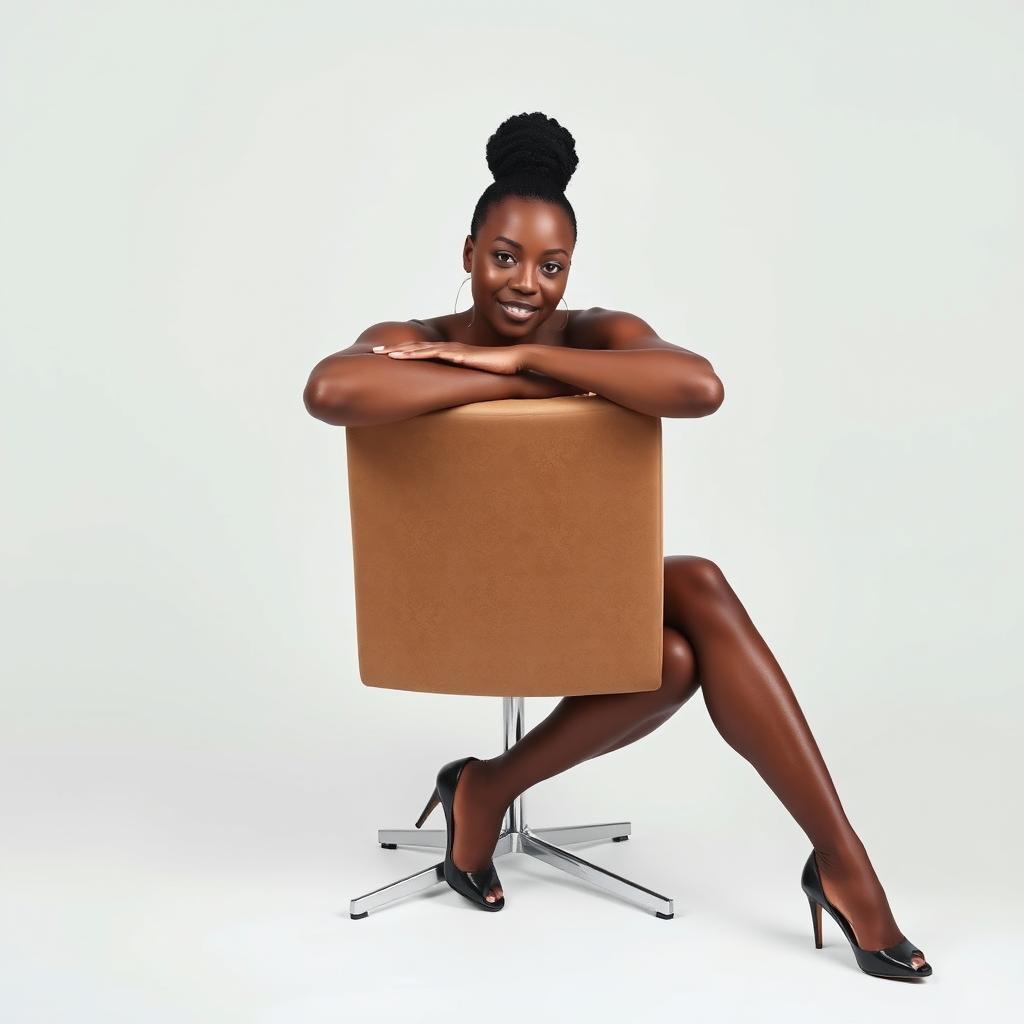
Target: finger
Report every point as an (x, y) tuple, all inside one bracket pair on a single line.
[(392, 349), (401, 347), (426, 350)]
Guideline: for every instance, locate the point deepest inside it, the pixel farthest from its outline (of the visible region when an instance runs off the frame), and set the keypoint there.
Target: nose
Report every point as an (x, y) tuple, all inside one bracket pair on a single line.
[(526, 280)]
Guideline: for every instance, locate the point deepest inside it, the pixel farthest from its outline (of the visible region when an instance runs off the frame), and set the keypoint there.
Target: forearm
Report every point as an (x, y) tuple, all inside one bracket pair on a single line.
[(365, 390), (658, 382)]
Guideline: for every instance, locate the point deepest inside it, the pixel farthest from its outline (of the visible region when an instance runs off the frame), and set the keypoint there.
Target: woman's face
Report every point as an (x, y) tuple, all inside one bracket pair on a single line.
[(520, 257)]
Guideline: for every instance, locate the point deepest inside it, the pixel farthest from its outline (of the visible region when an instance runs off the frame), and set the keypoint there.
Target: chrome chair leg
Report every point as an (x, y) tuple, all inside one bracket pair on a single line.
[(392, 838), (362, 905), (437, 838), (505, 845), (592, 874), (516, 837), (616, 831)]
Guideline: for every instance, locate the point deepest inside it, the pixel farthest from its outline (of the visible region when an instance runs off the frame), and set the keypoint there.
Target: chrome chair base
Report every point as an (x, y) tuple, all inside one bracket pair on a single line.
[(517, 837)]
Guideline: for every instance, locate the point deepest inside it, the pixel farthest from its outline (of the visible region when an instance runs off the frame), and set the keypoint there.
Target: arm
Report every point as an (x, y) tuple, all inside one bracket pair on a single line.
[(356, 387), (620, 357)]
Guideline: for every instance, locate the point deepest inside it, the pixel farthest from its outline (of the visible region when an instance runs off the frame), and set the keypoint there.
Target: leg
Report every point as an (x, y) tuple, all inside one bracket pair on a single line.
[(755, 710), (578, 729)]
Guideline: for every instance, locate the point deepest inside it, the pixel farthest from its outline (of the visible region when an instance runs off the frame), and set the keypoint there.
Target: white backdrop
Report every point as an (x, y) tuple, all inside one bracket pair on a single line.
[(200, 201)]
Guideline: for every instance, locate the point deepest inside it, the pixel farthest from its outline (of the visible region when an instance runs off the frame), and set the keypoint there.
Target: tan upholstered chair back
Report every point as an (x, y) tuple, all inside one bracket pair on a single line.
[(509, 548)]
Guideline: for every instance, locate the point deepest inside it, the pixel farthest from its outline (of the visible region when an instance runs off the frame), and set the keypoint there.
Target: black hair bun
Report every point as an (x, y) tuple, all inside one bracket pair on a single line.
[(532, 146)]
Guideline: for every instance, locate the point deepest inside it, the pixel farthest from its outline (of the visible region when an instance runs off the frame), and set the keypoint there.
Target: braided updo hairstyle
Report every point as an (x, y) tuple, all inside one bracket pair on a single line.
[(532, 156)]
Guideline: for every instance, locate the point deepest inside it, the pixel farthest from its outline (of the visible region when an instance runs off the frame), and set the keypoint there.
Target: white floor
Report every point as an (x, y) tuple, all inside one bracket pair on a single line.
[(226, 922)]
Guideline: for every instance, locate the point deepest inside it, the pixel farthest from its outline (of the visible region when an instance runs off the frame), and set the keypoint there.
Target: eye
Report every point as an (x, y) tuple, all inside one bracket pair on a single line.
[(498, 256), (557, 266)]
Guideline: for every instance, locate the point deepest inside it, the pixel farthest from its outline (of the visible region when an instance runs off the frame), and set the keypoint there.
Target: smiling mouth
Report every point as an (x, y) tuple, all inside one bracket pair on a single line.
[(519, 312)]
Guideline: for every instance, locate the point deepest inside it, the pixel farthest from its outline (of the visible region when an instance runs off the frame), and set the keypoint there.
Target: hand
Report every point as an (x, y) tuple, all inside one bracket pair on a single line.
[(500, 359)]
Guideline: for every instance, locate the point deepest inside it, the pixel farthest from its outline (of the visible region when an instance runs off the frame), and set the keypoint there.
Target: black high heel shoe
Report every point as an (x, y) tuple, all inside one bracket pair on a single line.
[(474, 885), (891, 962)]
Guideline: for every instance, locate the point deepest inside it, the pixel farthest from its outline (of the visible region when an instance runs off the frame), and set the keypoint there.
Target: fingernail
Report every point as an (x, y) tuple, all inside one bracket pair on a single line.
[(378, 348)]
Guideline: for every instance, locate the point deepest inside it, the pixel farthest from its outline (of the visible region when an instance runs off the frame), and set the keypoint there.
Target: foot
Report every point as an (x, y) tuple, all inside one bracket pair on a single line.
[(477, 813), (851, 885)]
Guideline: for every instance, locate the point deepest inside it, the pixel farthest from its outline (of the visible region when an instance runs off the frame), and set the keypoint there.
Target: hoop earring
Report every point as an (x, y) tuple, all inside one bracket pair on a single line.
[(562, 299), (470, 324)]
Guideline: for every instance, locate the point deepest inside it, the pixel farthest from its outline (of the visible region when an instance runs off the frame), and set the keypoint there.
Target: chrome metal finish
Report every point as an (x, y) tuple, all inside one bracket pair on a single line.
[(507, 843), (432, 837), (607, 880), (581, 833), (516, 837), (424, 879), (513, 730)]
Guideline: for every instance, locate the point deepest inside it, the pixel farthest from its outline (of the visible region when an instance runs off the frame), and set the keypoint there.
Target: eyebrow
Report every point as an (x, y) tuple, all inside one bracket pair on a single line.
[(502, 238)]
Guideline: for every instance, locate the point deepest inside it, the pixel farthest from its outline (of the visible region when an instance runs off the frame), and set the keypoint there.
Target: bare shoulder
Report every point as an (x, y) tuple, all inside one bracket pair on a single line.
[(387, 332), (602, 328)]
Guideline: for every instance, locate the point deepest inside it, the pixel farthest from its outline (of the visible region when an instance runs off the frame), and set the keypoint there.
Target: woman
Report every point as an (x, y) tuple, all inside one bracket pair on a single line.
[(511, 344)]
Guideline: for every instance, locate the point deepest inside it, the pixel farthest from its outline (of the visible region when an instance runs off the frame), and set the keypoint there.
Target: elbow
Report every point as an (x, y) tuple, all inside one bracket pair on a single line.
[(324, 400), (701, 398), (714, 394)]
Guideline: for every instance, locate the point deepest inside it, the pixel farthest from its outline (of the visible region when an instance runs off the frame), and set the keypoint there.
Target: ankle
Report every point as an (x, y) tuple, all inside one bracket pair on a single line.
[(493, 776), (848, 855)]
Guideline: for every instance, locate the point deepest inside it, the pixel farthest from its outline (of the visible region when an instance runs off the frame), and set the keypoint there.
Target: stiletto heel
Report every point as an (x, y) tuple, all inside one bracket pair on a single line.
[(891, 962), (431, 804), (816, 921), (474, 885)]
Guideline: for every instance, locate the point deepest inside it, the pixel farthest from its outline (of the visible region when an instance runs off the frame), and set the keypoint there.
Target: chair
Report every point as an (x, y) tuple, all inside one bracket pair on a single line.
[(510, 549)]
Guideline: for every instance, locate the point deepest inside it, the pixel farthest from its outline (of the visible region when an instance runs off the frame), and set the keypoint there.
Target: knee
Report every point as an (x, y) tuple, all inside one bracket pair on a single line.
[(695, 574), (678, 668)]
